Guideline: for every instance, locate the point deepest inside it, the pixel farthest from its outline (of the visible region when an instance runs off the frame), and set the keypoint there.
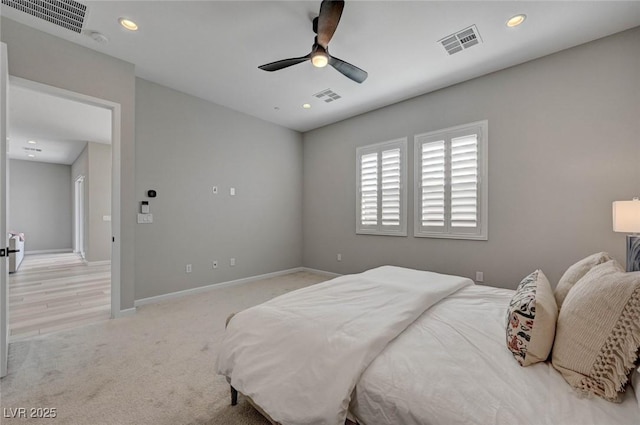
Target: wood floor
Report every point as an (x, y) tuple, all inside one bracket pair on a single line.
[(52, 292)]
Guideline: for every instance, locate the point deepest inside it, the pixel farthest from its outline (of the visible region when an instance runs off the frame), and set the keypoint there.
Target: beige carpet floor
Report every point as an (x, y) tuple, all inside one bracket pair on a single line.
[(156, 367)]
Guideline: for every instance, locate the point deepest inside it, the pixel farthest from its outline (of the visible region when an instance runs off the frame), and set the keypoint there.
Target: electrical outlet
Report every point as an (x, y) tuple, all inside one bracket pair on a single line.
[(339, 257), (479, 277), (187, 269), (214, 264), (232, 262), (215, 190), (232, 191)]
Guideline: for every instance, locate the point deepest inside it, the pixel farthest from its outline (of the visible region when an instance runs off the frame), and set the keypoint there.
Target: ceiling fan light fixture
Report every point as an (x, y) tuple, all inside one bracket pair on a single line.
[(516, 20), (319, 58)]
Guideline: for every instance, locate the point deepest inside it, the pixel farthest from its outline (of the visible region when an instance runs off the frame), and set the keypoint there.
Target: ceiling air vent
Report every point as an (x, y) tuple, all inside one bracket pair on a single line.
[(32, 149), (327, 95), (67, 14), (461, 40)]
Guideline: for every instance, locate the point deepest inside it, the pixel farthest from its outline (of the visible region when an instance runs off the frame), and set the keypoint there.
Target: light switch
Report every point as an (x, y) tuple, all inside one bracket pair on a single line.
[(145, 218), (106, 218), (232, 191)]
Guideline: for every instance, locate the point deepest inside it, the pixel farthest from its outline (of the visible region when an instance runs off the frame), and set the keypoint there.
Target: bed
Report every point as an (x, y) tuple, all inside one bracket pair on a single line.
[(444, 362)]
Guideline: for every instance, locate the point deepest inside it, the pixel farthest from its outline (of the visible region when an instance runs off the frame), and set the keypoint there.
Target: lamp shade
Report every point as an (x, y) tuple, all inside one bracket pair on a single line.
[(626, 216)]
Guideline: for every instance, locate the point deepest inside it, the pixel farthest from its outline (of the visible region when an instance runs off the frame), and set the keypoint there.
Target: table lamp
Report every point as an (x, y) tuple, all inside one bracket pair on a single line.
[(626, 218)]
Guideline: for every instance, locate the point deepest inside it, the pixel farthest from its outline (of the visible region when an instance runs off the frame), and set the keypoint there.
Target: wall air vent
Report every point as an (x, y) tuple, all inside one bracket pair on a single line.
[(461, 40), (67, 14), (327, 95)]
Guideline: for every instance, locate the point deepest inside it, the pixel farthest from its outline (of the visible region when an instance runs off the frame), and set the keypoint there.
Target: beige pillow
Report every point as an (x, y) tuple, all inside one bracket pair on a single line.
[(531, 320), (598, 331), (576, 272)]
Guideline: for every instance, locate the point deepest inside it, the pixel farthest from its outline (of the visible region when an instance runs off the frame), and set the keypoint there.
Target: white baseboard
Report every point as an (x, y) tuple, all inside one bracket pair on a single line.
[(98, 263), (178, 294), (322, 272), (124, 313), (48, 251)]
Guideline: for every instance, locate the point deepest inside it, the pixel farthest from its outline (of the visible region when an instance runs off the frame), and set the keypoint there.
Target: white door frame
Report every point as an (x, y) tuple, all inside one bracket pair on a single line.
[(4, 271), (78, 218), (115, 172)]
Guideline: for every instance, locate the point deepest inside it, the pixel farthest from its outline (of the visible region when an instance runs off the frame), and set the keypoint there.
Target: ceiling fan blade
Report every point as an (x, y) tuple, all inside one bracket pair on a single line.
[(330, 13), (277, 65), (350, 71)]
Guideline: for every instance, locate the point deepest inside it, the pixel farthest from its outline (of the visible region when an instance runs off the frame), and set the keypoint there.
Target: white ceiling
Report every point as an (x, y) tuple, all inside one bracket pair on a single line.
[(60, 127), (211, 49)]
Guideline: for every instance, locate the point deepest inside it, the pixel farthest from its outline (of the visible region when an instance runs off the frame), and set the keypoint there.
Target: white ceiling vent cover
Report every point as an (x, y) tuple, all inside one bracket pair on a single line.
[(327, 95), (67, 14), (461, 40)]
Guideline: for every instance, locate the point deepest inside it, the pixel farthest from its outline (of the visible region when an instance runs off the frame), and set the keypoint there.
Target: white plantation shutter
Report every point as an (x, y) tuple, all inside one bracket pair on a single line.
[(464, 181), (451, 188), (381, 182), (391, 186), (432, 184), (369, 189)]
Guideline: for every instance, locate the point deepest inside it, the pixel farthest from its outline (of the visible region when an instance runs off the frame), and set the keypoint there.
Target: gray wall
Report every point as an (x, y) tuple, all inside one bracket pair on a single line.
[(99, 186), (184, 146), (94, 163), (36, 56), (563, 144), (40, 204)]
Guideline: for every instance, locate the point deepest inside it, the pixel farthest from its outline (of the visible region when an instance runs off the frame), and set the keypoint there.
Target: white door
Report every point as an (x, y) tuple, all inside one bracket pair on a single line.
[(4, 276)]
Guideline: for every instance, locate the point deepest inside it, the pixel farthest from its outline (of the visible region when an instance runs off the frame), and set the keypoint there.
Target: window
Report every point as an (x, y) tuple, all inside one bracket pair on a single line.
[(450, 183), (381, 188)]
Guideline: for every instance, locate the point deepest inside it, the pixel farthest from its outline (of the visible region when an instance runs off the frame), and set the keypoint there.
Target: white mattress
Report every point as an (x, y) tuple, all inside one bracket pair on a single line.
[(452, 366)]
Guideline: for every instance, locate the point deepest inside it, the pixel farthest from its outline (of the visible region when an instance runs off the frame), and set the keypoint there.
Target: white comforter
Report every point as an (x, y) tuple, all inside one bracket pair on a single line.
[(338, 327), (452, 367)]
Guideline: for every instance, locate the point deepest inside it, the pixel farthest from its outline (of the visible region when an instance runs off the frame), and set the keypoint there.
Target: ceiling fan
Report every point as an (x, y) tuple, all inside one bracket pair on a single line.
[(324, 26)]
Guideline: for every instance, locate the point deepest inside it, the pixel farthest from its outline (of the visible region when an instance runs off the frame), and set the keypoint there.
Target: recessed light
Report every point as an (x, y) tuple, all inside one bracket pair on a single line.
[(514, 21), (128, 24), (306, 106), (31, 155), (31, 142)]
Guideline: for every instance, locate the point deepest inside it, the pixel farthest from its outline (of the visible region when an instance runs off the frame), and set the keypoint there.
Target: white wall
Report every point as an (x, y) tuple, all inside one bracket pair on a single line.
[(40, 204), (184, 146), (36, 56), (563, 144)]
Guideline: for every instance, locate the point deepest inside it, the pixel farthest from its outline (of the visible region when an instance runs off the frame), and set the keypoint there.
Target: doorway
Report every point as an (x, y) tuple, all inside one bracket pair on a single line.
[(114, 216), (60, 198)]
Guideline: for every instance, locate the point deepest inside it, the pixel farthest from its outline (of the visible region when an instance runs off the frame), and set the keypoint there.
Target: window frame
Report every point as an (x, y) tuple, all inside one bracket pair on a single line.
[(481, 232), (380, 229)]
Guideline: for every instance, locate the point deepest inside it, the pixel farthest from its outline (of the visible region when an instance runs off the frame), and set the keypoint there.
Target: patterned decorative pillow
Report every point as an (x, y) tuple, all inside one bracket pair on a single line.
[(598, 333), (531, 320), (576, 272)]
